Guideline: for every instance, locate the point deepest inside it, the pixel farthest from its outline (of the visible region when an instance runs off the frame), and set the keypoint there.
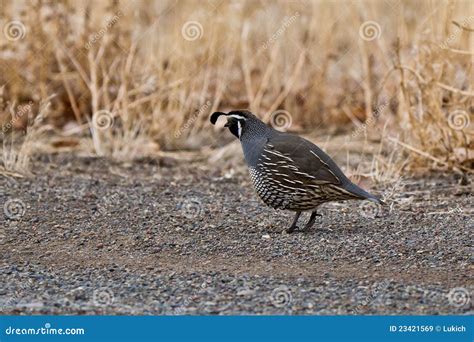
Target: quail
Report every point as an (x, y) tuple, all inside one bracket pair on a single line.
[(287, 171)]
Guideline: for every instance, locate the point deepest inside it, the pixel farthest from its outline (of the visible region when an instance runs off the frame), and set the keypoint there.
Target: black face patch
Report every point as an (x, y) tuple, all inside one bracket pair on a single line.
[(235, 121), (235, 126)]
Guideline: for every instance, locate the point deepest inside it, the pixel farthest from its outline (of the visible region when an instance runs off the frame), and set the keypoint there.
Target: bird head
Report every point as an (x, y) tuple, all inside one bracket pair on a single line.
[(238, 121)]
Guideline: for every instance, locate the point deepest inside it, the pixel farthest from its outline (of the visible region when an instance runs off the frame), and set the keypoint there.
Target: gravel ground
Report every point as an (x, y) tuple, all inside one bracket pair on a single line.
[(87, 236)]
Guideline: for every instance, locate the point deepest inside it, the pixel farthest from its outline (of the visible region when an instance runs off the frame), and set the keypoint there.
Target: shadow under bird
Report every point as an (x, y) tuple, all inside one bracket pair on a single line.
[(287, 171)]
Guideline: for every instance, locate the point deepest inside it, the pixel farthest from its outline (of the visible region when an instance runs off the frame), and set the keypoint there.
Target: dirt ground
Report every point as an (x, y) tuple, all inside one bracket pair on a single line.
[(159, 236)]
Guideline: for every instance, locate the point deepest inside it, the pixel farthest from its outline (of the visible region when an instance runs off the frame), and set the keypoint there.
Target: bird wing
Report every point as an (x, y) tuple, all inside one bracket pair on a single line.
[(303, 159)]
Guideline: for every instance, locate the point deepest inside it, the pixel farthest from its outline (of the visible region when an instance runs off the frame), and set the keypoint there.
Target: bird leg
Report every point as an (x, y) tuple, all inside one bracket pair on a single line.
[(293, 225), (311, 220)]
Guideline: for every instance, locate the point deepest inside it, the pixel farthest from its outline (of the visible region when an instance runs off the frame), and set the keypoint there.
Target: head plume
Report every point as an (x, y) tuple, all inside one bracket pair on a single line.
[(237, 114), (215, 116)]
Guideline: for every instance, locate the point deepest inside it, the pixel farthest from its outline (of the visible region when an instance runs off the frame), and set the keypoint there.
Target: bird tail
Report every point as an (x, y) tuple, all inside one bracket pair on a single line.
[(362, 194)]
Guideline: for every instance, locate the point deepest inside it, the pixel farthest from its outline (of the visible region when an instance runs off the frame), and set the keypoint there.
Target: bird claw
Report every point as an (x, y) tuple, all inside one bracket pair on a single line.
[(306, 228)]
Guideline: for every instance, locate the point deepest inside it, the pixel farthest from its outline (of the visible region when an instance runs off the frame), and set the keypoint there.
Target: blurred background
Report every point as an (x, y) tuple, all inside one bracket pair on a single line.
[(391, 79), (120, 197)]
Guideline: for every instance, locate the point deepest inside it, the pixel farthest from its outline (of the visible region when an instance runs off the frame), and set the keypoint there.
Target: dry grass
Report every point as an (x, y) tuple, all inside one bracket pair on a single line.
[(17, 150), (156, 69)]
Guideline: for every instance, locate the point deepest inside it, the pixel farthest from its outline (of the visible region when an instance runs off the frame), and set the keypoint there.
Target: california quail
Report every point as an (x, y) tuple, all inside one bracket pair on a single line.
[(289, 172)]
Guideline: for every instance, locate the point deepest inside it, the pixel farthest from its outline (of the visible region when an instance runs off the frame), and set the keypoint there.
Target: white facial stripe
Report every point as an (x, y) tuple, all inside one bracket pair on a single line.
[(238, 116), (239, 128)]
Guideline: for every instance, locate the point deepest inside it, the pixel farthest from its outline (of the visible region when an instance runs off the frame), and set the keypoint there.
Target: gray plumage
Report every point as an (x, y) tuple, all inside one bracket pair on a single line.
[(289, 172)]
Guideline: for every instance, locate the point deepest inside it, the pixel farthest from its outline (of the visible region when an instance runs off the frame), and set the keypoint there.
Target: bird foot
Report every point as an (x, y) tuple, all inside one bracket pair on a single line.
[(310, 224), (298, 230), (307, 227)]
